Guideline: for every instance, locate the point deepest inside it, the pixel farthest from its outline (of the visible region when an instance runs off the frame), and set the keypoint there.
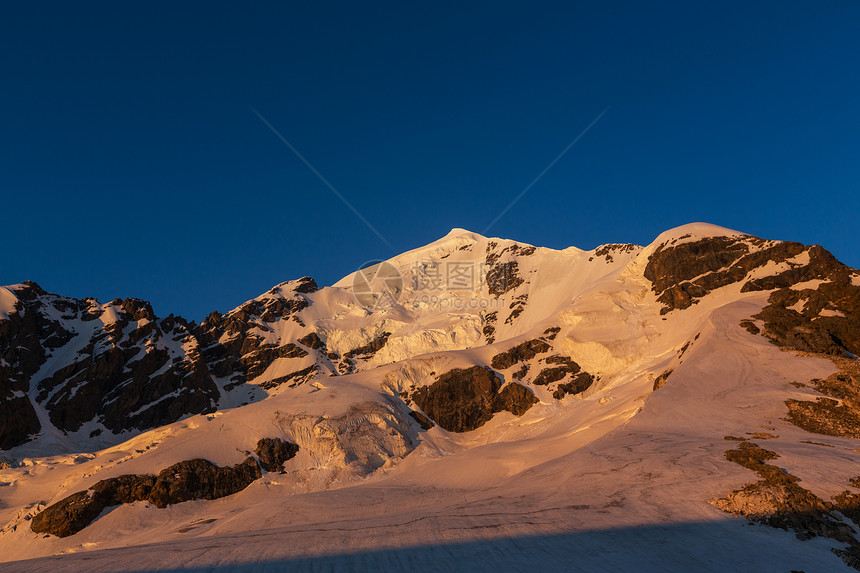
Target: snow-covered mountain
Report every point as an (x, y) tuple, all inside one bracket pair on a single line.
[(472, 397)]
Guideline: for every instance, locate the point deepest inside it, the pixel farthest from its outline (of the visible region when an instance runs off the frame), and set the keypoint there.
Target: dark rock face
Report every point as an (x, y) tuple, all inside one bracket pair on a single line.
[(660, 381), (606, 251), (25, 341), (312, 341), (517, 307), (822, 265), (579, 381), (577, 385), (124, 489), (297, 377), (72, 514), (462, 400), (306, 285), (514, 398), (489, 329), (503, 277), (670, 268), (422, 420), (837, 415), (683, 273), (368, 350), (778, 500), (185, 481), (121, 377), (556, 373), (273, 452), (828, 323), (201, 479), (68, 516), (519, 353), (18, 421), (521, 373), (231, 348), (551, 332), (131, 369), (118, 374), (257, 361)]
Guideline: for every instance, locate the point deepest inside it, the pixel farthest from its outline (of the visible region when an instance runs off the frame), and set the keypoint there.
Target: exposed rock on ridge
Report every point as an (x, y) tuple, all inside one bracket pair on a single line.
[(779, 501), (184, 481), (465, 399)]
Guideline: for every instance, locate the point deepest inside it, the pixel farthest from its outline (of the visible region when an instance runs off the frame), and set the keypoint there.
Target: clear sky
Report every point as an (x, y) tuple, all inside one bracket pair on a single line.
[(132, 164)]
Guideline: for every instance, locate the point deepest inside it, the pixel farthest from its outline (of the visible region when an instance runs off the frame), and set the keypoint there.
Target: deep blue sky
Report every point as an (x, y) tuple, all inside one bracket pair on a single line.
[(131, 163)]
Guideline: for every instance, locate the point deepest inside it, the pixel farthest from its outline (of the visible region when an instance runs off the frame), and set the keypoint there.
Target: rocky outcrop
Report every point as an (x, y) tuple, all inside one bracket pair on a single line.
[(312, 341), (822, 265), (551, 332), (201, 479), (503, 276), (305, 285), (779, 501), (273, 452), (184, 481), (579, 380), (123, 377), (129, 369), (517, 306), (607, 251), (660, 381), (828, 321), (295, 378), (18, 421), (258, 361), (366, 351), (26, 340), (132, 370), (683, 273), (514, 398), (75, 512), (232, 345), (422, 420), (519, 353), (462, 400), (521, 372), (147, 400), (824, 416), (577, 385), (821, 319), (672, 268), (489, 329), (838, 414)]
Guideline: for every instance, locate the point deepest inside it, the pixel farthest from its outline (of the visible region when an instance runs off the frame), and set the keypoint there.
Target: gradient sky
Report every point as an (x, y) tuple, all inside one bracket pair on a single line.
[(131, 163)]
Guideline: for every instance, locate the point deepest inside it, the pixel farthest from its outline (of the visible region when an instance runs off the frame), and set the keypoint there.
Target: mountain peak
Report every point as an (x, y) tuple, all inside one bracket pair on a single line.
[(692, 232), (458, 232)]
